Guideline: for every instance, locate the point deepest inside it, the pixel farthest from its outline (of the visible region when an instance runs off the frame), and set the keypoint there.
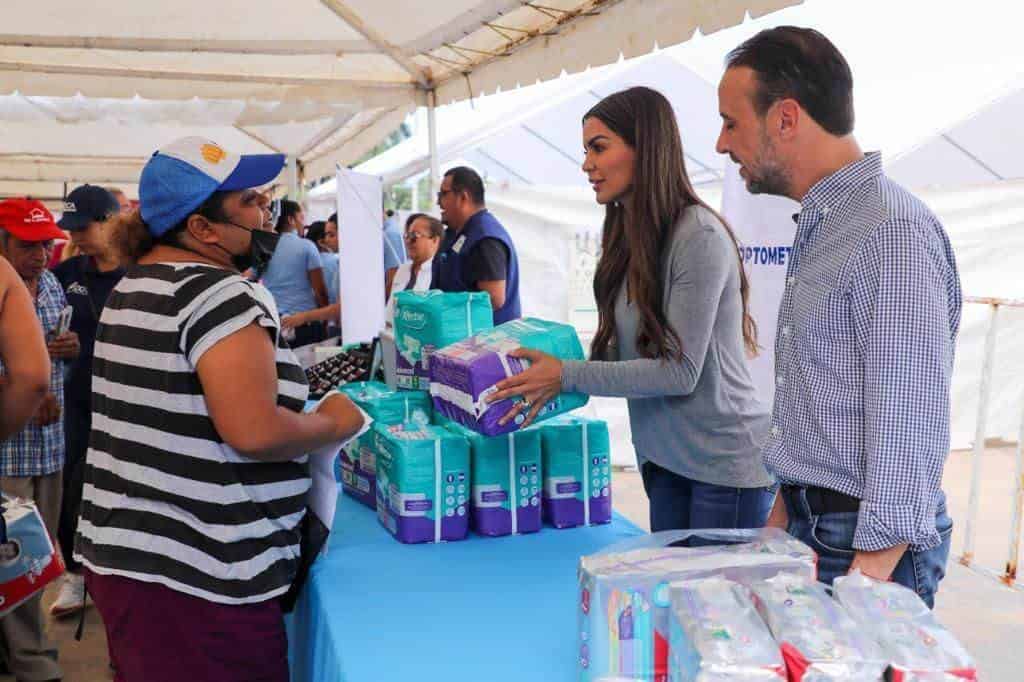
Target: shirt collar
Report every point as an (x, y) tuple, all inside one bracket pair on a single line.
[(832, 189)]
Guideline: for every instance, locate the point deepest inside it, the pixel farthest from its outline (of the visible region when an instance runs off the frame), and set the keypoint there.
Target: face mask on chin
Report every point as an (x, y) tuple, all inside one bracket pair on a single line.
[(261, 250)]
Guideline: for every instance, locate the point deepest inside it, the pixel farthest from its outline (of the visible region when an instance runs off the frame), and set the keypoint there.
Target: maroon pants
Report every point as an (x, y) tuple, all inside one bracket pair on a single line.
[(157, 634)]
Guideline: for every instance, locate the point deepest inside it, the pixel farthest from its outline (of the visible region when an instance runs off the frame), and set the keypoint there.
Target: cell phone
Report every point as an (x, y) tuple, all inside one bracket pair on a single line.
[(64, 321)]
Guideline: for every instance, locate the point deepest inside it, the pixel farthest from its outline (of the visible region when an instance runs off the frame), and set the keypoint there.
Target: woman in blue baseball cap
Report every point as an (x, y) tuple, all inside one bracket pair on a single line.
[(196, 475)]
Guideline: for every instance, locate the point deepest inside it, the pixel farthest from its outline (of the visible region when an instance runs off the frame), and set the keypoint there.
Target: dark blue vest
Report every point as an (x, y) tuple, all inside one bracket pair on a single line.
[(450, 262)]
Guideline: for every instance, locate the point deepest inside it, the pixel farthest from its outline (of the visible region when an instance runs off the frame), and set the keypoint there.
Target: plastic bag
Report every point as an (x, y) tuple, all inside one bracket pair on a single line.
[(917, 647), (624, 594), (820, 641)]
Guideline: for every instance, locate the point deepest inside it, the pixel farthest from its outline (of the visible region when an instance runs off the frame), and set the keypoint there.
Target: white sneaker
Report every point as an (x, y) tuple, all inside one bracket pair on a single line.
[(71, 598)]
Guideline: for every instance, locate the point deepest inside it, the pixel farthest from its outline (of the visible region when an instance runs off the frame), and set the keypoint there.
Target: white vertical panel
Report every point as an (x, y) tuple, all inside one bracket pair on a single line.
[(360, 255)]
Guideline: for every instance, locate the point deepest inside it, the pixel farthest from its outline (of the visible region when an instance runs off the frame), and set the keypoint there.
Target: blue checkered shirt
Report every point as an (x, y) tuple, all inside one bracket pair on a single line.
[(864, 354), (39, 450)]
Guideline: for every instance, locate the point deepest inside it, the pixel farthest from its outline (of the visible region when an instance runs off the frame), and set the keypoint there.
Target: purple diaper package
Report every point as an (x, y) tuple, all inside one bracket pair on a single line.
[(464, 374)]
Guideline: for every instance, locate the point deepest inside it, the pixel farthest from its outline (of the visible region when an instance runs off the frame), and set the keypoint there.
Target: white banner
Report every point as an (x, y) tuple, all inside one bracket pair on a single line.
[(765, 229), (360, 255)]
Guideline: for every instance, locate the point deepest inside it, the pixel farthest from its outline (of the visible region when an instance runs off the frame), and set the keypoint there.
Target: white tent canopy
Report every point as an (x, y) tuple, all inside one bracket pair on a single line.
[(87, 95)]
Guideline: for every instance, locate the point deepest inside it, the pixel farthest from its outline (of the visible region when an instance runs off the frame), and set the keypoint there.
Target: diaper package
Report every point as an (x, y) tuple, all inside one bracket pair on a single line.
[(625, 598), (820, 641), (388, 406), (420, 472), (357, 466), (716, 634), (463, 374), (916, 646), (428, 320), (577, 471), (357, 463), (506, 481), (28, 559)]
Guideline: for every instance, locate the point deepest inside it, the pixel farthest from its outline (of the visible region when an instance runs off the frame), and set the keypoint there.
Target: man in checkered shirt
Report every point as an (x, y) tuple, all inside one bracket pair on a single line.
[(867, 324)]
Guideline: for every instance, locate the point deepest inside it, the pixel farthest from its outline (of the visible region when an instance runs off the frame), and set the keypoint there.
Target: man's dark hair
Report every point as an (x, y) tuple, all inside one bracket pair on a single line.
[(465, 179), (333, 219), (289, 208), (802, 64)]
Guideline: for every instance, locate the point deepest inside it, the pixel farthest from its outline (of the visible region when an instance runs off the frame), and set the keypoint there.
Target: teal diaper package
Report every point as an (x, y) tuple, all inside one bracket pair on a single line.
[(388, 406), (428, 320), (577, 471), (507, 475), (423, 479)]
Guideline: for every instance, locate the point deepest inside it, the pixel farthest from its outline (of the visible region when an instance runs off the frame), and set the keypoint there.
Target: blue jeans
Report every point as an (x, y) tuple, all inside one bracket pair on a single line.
[(831, 537), (681, 503)]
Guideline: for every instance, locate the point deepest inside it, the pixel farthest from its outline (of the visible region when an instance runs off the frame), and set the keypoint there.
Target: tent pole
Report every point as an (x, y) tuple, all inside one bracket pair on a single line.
[(293, 178), (435, 172)]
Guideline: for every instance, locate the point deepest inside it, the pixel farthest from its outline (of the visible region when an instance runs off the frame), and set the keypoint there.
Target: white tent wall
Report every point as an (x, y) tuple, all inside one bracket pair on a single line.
[(321, 81)]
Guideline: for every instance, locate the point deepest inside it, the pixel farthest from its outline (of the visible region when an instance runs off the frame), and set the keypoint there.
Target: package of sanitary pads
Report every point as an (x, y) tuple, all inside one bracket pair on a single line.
[(419, 471), (820, 641), (464, 374), (577, 471), (428, 320), (506, 481), (625, 598), (917, 647), (716, 634)]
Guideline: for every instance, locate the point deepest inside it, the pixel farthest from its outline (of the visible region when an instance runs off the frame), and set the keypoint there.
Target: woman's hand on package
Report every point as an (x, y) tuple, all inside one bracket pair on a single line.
[(49, 412), (64, 347), (537, 385), (347, 418)]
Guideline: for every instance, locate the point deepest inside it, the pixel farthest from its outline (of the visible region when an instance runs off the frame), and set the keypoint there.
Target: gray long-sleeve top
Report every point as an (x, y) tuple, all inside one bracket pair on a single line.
[(700, 416)]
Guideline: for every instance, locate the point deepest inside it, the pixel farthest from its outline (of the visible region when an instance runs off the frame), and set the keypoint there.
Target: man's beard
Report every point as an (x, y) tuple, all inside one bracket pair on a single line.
[(771, 176)]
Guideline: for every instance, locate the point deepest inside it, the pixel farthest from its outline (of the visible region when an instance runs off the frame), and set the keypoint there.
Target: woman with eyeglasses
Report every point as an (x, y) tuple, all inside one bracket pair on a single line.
[(423, 235), (673, 328)]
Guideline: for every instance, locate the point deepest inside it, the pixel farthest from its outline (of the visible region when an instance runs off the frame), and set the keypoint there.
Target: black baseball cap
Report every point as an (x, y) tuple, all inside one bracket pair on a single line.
[(87, 204)]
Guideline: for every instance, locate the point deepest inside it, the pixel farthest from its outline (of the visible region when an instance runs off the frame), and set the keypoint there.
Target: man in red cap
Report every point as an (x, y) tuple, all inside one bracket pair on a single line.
[(32, 460)]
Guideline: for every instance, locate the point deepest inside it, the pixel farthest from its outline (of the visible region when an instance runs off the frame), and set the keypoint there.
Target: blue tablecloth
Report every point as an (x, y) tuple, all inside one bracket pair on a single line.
[(489, 609)]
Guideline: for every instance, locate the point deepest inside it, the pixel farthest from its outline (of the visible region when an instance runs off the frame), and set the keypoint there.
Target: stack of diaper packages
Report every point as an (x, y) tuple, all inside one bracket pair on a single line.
[(358, 461), (506, 481), (625, 600), (819, 639), (577, 471), (916, 646), (464, 374), (428, 320), (716, 634), (423, 478)]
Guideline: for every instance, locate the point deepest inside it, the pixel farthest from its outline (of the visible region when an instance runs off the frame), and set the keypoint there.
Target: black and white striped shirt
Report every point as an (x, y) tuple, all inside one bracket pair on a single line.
[(166, 500)]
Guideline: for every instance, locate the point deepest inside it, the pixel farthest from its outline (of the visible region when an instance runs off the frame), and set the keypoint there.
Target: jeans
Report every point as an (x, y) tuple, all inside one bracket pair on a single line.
[(831, 537), (681, 503)]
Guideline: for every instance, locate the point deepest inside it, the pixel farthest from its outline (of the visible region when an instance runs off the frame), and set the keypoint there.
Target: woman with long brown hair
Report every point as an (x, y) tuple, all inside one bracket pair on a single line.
[(673, 331)]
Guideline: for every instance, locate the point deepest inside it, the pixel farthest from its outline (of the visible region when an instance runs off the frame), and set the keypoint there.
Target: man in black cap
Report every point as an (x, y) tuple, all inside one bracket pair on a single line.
[(87, 281)]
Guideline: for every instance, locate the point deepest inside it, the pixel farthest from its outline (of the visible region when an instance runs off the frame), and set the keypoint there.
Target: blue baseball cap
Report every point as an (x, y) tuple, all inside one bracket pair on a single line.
[(85, 205), (178, 178)]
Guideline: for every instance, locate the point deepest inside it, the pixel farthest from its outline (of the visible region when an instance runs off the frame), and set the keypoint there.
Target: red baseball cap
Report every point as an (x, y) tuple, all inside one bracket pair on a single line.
[(28, 220)]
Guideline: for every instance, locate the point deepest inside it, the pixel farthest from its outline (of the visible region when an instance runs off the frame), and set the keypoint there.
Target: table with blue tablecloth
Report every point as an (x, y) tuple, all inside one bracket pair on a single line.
[(491, 609)]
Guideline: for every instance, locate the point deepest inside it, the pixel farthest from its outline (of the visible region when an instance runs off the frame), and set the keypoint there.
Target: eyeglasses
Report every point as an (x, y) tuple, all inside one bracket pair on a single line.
[(411, 237), (440, 195)]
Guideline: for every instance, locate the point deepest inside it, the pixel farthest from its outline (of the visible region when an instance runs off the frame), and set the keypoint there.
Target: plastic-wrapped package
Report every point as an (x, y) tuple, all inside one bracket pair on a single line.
[(716, 634), (419, 471), (917, 647), (357, 463), (464, 374), (428, 320), (624, 594), (357, 466), (577, 471), (506, 480), (388, 406), (820, 641)]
